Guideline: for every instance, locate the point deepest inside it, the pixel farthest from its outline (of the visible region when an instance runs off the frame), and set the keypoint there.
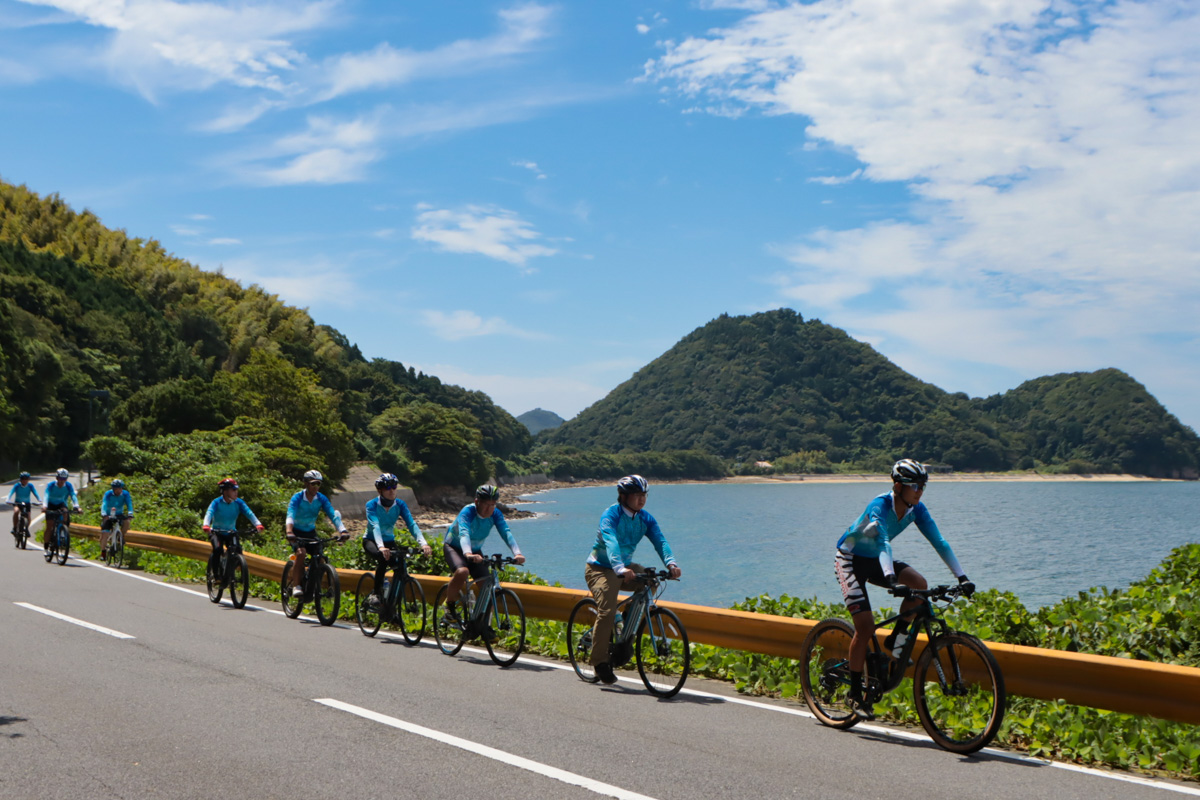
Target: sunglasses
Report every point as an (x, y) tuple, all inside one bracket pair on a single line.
[(916, 487)]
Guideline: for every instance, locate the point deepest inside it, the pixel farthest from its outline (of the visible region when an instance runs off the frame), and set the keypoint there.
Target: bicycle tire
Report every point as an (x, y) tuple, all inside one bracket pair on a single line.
[(410, 610), (64, 544), (48, 544), (329, 595), (509, 616), (959, 692), (239, 580), (450, 637), (369, 619), (23, 534), (580, 629), (825, 673), (216, 585), (292, 606), (116, 548), (663, 655)]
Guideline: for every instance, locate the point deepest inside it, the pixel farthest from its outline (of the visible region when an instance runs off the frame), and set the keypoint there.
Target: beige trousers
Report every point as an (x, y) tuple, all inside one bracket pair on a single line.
[(606, 588)]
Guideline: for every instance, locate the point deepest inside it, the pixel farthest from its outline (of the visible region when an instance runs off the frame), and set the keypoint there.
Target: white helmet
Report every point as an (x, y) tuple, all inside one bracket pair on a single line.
[(908, 471), (62, 473), (313, 475)]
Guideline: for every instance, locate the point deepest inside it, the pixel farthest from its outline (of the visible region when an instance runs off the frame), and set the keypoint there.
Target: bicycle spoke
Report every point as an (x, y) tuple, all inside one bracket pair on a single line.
[(579, 638), (959, 693), (663, 656), (410, 610), (507, 628), (366, 611), (825, 673)]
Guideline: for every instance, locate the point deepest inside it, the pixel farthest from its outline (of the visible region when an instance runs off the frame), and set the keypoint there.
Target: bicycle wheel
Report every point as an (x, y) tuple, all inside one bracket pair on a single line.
[(48, 544), (116, 549), (329, 595), (580, 628), (509, 628), (292, 605), (959, 692), (825, 673), (367, 613), (450, 633), (23, 534), (212, 577), (410, 610), (239, 580), (663, 655), (64, 544)]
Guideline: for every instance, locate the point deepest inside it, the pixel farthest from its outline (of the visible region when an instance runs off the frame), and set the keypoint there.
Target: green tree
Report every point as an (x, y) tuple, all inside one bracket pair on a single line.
[(444, 445)]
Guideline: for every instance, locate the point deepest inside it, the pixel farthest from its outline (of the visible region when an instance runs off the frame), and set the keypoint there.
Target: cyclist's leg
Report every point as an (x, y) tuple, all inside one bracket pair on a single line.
[(105, 526), (458, 579), (372, 549), (605, 586), (912, 579)]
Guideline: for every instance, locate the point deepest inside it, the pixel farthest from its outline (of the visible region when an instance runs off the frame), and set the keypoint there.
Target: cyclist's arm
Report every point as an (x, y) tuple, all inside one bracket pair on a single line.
[(502, 525), (929, 530), (655, 535), (466, 526), (411, 523), (374, 526), (293, 507), (332, 513), (608, 535), (248, 514)]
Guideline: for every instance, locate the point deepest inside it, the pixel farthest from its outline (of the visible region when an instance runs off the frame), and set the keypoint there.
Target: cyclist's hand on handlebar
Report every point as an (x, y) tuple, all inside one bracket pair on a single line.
[(520, 559), (898, 590), (258, 528), (675, 571), (344, 536), (386, 552), (967, 586), (476, 557), (291, 537), (427, 550), (206, 528)]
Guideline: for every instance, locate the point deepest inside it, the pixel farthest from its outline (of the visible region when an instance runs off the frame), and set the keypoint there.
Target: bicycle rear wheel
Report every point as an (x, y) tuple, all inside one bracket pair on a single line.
[(292, 605), (329, 594), (213, 578), (580, 628), (410, 610), (825, 673), (663, 656), (23, 535), (450, 633), (64, 544), (239, 580), (366, 612), (509, 633), (959, 692)]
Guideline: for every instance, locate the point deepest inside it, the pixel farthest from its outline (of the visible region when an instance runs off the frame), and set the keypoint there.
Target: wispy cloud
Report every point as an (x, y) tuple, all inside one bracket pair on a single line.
[(301, 282), (483, 230), (456, 325), (532, 167)]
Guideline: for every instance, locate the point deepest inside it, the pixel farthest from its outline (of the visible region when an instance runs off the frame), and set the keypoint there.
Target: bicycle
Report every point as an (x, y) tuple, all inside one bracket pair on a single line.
[(321, 585), (116, 540), (957, 686), (57, 541), (402, 600), (653, 635), (21, 534), (469, 617), (228, 570)]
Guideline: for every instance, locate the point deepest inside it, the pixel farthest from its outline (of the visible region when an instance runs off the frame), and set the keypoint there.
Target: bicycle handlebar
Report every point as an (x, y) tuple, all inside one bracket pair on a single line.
[(936, 593), (654, 575), (498, 560)]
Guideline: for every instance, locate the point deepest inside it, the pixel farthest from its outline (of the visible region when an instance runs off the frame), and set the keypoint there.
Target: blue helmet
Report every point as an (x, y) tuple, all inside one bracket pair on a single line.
[(117, 483), (23, 476), (62, 473), (387, 481)]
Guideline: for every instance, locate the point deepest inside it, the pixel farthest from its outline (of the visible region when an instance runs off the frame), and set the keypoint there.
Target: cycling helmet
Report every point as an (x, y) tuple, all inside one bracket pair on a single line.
[(62, 473), (909, 471), (227, 483), (313, 475), (487, 492), (631, 484), (117, 483), (24, 475), (387, 481)]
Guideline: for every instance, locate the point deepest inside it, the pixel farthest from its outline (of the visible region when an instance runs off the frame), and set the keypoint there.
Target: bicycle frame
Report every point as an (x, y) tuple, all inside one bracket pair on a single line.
[(312, 576), (485, 591), (399, 565), (232, 546), (880, 682)]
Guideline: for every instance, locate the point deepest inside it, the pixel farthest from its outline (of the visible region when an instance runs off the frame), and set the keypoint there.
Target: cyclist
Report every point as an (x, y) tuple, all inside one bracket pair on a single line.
[(58, 492), (609, 568), (303, 509), (864, 555), (382, 514), (115, 499), (466, 536), (223, 513), (20, 494)]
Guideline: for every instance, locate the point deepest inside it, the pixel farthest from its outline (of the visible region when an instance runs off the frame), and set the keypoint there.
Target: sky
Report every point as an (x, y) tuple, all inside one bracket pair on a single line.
[(537, 199)]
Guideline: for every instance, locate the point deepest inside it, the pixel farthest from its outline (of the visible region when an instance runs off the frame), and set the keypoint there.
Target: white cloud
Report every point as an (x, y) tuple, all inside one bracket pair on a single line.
[(457, 325), (224, 241), (299, 282), (642, 28), (532, 167), (483, 230), (186, 230)]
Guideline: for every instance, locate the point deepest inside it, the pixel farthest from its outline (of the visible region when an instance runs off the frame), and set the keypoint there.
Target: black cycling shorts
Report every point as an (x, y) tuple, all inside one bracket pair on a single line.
[(854, 572), (456, 560)]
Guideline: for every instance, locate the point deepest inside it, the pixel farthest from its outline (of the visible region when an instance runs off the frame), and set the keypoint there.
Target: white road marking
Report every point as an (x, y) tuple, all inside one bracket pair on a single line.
[(605, 789), (73, 621)]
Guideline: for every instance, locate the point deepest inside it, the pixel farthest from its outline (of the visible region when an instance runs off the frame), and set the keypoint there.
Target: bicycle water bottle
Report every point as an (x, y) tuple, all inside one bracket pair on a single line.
[(387, 584), (619, 625)]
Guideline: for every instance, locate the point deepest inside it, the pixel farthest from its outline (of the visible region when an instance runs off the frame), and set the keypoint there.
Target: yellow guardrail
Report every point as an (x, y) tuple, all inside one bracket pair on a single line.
[(1116, 684)]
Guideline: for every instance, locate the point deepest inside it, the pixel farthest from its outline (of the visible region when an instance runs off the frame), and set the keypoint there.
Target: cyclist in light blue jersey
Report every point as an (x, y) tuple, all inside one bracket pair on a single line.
[(23, 492), (58, 492), (114, 501), (303, 510), (610, 566), (220, 521), (466, 536), (864, 555), (382, 514)]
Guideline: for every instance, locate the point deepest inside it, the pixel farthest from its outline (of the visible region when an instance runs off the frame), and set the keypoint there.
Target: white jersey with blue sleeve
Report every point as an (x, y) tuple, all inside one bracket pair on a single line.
[(470, 530), (302, 513), (872, 533), (111, 504), (381, 521), (619, 535), (22, 494), (223, 515)]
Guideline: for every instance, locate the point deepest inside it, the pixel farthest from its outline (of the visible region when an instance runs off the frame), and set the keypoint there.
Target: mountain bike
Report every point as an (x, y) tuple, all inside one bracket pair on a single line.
[(402, 600), (321, 584), (57, 538), (21, 534), (957, 686), (116, 540), (228, 570), (653, 635), (497, 616)]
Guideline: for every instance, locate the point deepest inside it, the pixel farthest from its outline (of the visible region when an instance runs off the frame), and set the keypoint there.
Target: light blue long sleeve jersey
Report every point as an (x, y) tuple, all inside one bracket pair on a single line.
[(872, 533), (110, 504), (381, 521), (21, 494), (619, 535), (470, 530), (302, 513), (223, 515), (56, 494)]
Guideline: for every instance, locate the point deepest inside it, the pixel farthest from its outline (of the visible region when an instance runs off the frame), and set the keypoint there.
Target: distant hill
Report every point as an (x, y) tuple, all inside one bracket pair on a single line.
[(772, 384), (539, 420)]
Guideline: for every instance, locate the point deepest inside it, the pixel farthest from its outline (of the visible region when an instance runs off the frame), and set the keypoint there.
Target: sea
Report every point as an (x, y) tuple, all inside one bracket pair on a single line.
[(1042, 541)]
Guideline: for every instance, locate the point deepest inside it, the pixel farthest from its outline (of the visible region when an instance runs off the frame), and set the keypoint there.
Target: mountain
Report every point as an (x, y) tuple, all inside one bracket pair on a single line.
[(539, 420)]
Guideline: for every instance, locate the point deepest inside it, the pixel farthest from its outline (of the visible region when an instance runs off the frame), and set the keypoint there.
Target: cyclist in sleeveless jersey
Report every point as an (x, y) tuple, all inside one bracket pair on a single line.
[(114, 501), (58, 492), (23, 491), (382, 514), (466, 536), (301, 527), (864, 555), (222, 516)]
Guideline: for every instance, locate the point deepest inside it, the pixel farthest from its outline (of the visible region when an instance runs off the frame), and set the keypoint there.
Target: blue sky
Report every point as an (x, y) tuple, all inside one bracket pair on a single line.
[(537, 199)]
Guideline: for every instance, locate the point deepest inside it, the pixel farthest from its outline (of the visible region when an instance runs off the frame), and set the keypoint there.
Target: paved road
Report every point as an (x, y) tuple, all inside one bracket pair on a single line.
[(206, 700)]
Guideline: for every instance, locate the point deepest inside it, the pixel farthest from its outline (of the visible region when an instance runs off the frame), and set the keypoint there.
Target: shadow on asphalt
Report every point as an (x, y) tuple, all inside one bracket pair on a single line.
[(11, 721), (928, 744)]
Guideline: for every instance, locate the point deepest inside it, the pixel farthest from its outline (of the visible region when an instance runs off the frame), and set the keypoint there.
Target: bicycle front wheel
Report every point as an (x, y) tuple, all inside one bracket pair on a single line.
[(64, 544), (449, 621), (509, 628), (292, 605), (212, 578), (116, 549), (959, 692), (825, 673), (410, 610), (580, 629), (366, 612), (663, 656), (239, 580), (329, 594)]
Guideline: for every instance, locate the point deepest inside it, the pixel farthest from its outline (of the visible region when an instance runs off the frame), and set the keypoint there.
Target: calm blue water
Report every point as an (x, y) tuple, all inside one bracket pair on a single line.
[(1042, 541)]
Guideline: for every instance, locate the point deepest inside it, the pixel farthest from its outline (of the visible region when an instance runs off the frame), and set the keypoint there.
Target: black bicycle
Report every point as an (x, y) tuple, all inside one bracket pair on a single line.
[(115, 555), (653, 635), (401, 602), (497, 616), (957, 686), (228, 570), (57, 535), (321, 584), (21, 532)]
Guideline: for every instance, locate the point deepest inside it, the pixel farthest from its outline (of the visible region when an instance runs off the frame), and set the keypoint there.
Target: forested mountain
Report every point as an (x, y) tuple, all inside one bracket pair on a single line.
[(539, 420), (773, 385)]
